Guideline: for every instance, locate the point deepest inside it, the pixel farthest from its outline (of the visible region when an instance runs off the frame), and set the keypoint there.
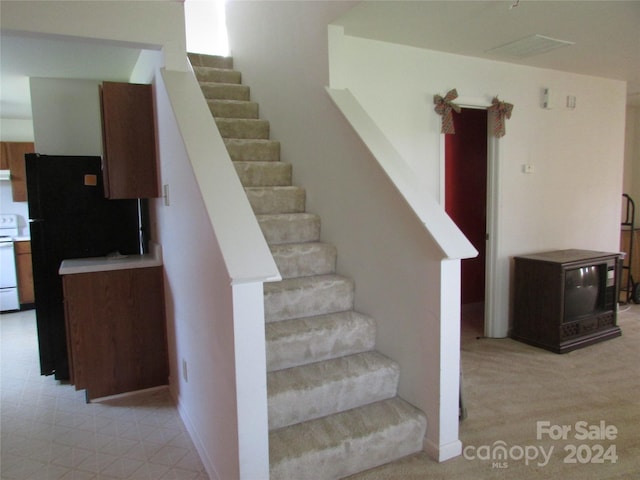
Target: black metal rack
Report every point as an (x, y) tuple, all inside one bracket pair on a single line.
[(628, 285)]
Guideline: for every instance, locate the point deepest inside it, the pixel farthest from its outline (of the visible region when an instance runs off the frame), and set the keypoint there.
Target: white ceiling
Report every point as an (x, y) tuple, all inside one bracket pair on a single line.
[(606, 36)]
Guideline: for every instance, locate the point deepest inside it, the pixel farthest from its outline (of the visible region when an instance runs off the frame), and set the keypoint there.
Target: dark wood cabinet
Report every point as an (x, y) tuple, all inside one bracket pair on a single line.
[(12, 158), (116, 331), (129, 140), (565, 299)]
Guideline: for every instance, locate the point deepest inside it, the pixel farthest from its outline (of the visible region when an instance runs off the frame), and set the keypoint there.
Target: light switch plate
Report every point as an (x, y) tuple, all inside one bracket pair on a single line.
[(165, 194)]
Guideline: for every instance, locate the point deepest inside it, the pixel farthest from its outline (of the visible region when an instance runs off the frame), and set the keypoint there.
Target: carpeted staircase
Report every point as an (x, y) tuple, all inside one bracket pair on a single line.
[(333, 404)]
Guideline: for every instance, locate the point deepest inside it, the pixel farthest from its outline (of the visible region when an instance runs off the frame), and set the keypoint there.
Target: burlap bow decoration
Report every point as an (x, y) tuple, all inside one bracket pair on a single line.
[(444, 107), (500, 110)]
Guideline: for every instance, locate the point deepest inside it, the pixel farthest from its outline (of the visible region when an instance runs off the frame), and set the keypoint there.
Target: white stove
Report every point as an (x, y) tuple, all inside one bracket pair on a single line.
[(8, 279)]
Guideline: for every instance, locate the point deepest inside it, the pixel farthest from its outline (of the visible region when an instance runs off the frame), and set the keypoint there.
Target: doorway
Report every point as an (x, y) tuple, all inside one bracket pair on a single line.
[(465, 161)]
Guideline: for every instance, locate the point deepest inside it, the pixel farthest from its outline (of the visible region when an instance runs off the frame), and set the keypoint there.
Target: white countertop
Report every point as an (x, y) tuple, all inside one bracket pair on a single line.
[(105, 264), (22, 238)]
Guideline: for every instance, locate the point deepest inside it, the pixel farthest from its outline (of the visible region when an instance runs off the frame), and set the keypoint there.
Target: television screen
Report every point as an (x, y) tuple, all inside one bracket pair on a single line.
[(581, 292)]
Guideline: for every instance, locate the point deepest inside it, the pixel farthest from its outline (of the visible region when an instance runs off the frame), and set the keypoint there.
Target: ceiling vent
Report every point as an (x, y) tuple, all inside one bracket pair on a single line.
[(529, 46)]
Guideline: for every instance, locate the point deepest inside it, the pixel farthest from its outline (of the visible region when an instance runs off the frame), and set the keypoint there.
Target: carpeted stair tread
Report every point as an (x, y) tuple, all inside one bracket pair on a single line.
[(307, 297), (218, 75), (225, 91), (280, 228), (345, 443), (233, 108), (304, 259), (318, 389), (243, 128), (263, 174), (253, 150), (301, 341), (289, 199), (214, 61)]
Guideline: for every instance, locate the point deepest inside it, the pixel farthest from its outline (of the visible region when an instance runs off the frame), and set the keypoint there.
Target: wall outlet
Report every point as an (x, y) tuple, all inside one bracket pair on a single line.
[(528, 168), (185, 374)]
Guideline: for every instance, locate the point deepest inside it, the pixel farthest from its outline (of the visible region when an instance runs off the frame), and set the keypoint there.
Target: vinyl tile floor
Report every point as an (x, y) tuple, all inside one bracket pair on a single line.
[(48, 431)]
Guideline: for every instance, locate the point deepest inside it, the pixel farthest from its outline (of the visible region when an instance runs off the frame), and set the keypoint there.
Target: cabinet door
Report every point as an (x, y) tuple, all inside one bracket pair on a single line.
[(129, 139), (12, 158), (25, 272), (116, 330), (4, 156)]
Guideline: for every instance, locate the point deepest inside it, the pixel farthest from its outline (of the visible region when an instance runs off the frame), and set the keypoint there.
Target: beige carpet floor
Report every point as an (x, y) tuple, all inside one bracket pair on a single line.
[(509, 387)]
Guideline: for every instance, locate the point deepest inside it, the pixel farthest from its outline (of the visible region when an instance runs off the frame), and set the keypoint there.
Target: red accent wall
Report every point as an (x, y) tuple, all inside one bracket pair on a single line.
[(466, 192)]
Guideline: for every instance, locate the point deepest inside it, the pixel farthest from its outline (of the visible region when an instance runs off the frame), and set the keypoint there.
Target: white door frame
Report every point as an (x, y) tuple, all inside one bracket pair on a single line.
[(493, 295)]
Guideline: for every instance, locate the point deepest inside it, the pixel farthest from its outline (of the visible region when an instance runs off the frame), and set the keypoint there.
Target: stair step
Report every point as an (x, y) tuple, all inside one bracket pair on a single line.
[(304, 393), (243, 128), (215, 61), (307, 297), (233, 108), (217, 75), (253, 150), (263, 174), (276, 199), (291, 343), (225, 91), (290, 227), (304, 259), (339, 445)]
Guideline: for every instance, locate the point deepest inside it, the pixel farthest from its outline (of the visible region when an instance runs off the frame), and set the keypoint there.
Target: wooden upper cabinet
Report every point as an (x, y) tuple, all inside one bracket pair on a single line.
[(129, 139), (4, 157), (12, 158)]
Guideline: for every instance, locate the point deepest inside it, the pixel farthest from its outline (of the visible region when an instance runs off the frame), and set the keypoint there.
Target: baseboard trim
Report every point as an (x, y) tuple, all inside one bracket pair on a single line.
[(441, 453), (128, 394), (195, 438)]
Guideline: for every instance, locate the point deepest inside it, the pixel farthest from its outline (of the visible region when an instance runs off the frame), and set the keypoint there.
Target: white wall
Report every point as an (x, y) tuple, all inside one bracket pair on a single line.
[(16, 130), (572, 200), (199, 307), (66, 116)]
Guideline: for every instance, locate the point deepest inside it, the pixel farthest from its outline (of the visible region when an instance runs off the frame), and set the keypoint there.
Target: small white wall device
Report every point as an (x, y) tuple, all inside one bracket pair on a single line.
[(546, 99)]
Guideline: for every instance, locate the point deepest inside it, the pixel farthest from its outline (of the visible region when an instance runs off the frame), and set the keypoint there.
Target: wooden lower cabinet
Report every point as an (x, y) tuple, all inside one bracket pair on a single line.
[(116, 331), (24, 271)]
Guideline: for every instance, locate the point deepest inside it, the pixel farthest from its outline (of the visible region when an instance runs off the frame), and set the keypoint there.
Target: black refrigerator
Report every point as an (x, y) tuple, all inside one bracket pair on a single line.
[(69, 217)]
